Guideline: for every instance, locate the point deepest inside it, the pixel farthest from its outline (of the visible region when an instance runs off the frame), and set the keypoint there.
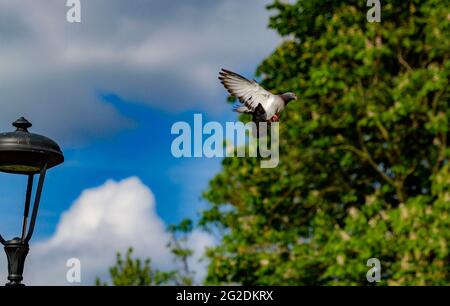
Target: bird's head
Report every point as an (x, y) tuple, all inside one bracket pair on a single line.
[(289, 96)]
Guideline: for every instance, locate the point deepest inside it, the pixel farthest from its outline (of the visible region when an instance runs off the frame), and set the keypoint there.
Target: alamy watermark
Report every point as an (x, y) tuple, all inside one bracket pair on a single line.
[(73, 274), (74, 12), (374, 274), (239, 138), (374, 13)]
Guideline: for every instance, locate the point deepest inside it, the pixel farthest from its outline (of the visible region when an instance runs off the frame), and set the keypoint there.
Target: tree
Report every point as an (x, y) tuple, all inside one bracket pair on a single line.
[(364, 169), (135, 272), (179, 248), (138, 272)]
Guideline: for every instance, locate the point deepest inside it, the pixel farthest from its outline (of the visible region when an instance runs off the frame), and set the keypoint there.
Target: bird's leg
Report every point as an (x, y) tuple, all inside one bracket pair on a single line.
[(275, 118)]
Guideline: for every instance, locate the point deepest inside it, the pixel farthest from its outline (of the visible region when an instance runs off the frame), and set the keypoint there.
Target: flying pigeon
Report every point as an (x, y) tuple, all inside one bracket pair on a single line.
[(255, 100)]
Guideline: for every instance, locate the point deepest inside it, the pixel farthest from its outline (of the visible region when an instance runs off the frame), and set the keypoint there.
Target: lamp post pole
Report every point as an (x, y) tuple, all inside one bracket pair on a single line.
[(22, 152)]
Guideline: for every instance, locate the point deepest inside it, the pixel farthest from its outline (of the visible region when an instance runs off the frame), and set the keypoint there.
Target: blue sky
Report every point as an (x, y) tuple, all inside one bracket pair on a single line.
[(109, 89), (142, 150)]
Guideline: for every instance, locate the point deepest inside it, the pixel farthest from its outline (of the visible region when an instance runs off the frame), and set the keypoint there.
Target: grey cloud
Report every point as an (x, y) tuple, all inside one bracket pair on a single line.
[(161, 53), (7, 33)]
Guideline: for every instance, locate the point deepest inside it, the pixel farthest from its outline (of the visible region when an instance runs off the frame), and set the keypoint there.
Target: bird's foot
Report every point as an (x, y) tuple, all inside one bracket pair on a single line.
[(275, 118)]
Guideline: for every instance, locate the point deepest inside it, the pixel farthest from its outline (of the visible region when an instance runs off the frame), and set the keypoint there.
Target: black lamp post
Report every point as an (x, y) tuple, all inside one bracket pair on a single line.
[(22, 152)]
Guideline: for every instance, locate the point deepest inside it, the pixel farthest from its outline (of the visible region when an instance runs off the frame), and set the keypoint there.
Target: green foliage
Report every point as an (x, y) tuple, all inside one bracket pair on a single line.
[(134, 272), (364, 169), (179, 248)]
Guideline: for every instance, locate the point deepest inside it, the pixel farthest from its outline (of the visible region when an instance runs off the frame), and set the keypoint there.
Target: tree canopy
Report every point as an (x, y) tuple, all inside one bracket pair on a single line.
[(131, 271), (364, 159)]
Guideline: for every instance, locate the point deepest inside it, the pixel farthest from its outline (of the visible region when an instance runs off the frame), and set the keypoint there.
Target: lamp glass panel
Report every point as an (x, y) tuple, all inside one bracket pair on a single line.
[(19, 168)]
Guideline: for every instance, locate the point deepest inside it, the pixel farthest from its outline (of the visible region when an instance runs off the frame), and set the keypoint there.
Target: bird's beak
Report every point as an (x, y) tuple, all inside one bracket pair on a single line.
[(295, 98)]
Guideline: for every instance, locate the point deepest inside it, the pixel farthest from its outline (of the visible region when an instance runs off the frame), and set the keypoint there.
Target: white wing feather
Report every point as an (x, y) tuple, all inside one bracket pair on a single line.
[(250, 93)]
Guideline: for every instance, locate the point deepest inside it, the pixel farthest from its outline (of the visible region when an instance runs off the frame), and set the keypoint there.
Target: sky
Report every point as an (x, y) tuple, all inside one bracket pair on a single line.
[(108, 90)]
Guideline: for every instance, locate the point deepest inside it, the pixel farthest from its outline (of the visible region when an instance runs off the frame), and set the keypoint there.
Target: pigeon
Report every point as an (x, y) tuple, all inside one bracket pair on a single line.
[(263, 105)]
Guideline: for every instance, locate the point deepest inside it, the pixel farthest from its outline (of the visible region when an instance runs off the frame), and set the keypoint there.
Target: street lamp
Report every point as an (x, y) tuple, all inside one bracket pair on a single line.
[(22, 152)]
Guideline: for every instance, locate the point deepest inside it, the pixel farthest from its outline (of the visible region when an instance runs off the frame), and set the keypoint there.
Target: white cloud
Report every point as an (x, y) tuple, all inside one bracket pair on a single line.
[(102, 221), (162, 53), (199, 241)]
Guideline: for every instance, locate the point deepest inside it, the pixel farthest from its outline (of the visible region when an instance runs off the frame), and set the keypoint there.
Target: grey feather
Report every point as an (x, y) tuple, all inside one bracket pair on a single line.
[(253, 97)]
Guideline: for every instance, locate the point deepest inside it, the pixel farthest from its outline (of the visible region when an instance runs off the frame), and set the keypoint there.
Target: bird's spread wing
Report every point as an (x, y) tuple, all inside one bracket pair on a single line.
[(250, 93)]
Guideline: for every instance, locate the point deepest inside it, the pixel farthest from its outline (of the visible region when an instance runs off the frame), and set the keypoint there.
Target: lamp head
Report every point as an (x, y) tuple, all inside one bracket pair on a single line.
[(22, 152)]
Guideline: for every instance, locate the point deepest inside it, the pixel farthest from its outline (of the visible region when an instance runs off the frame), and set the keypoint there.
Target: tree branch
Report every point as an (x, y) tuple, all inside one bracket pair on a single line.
[(441, 155), (369, 158), (403, 62), (365, 156)]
